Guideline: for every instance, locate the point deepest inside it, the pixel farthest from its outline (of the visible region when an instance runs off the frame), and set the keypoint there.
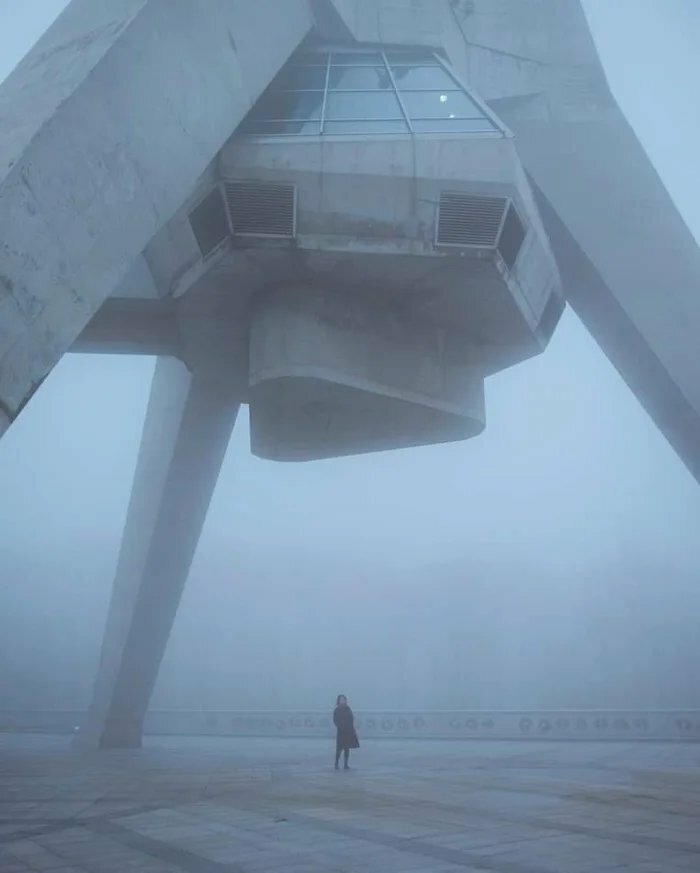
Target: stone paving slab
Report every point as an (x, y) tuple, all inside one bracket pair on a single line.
[(235, 805)]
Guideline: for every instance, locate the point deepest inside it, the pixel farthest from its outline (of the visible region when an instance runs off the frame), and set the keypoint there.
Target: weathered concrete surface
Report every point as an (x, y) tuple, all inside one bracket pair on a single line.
[(91, 113), (630, 267), (332, 375), (367, 210), (107, 124), (249, 806), (187, 429), (412, 22)]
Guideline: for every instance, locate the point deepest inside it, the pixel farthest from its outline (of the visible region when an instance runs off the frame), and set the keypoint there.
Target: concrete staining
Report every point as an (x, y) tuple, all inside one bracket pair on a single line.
[(372, 300), (93, 111), (363, 321), (330, 375)]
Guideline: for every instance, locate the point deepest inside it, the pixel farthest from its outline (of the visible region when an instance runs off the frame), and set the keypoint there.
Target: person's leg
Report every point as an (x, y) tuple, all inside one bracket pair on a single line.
[(337, 756), (346, 755)]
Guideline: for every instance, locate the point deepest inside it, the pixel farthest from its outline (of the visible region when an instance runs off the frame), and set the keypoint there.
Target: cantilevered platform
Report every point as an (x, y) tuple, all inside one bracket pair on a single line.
[(219, 805)]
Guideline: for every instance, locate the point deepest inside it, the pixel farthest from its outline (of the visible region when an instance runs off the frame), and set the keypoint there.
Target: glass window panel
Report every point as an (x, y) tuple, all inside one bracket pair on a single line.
[(357, 59), (439, 104), (381, 126), (420, 56), (281, 128), (364, 78), (362, 104), (274, 105), (361, 97), (453, 125), (301, 79), (408, 78)]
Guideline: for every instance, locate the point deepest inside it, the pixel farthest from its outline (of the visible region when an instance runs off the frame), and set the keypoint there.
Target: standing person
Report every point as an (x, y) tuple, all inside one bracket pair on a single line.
[(346, 739)]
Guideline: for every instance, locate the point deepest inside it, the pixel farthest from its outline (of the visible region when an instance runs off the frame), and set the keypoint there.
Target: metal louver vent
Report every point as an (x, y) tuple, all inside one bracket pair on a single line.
[(209, 222), (466, 220), (262, 208), (512, 237)]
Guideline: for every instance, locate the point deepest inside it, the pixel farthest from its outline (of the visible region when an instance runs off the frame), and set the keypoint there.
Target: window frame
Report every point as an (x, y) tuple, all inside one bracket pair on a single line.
[(493, 126)]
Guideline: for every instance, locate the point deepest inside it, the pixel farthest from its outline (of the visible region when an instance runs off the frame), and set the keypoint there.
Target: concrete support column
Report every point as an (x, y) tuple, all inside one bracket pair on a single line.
[(108, 124), (187, 429)]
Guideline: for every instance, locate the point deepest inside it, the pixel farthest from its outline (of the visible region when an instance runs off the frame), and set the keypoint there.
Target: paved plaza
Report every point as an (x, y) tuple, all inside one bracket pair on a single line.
[(222, 805)]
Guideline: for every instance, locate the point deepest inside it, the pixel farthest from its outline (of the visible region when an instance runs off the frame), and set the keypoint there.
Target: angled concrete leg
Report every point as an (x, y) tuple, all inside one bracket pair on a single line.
[(187, 429)]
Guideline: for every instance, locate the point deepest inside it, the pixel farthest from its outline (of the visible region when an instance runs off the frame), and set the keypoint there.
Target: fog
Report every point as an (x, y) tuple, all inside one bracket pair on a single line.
[(551, 562)]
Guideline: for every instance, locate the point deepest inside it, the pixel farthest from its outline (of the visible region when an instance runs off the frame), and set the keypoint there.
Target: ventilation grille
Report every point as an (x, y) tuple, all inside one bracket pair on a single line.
[(209, 222), (512, 237), (465, 220), (261, 209), (480, 222)]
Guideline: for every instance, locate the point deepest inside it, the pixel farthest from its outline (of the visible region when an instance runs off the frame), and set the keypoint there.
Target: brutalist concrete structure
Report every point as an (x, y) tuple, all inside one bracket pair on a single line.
[(344, 213)]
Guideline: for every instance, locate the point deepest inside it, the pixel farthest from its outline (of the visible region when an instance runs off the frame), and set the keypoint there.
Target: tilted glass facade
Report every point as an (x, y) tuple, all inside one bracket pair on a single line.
[(365, 92)]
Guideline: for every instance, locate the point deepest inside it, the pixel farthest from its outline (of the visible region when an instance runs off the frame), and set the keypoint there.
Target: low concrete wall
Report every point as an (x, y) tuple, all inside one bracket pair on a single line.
[(497, 724)]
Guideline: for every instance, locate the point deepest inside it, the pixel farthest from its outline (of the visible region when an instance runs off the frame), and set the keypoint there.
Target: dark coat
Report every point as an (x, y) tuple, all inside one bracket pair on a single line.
[(344, 720)]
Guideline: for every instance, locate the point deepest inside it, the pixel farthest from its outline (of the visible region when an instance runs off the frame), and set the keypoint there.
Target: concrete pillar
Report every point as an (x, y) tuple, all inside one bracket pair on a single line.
[(187, 429), (107, 124)]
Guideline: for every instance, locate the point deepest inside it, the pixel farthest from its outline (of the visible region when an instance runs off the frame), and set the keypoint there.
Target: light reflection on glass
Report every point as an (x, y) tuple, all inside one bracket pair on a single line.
[(341, 92)]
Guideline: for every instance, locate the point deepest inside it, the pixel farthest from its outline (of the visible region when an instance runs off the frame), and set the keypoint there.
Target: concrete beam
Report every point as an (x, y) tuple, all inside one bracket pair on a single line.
[(629, 265), (625, 346), (187, 429), (132, 327), (107, 124)]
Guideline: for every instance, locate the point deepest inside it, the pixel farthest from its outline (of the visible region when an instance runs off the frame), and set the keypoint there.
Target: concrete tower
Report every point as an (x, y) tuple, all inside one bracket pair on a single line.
[(344, 213)]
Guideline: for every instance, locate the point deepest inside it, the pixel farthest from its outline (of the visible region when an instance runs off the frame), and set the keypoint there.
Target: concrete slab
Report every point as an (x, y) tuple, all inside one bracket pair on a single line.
[(219, 805)]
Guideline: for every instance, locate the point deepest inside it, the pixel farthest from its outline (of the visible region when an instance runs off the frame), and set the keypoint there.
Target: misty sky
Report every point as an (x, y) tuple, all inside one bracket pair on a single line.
[(569, 471)]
